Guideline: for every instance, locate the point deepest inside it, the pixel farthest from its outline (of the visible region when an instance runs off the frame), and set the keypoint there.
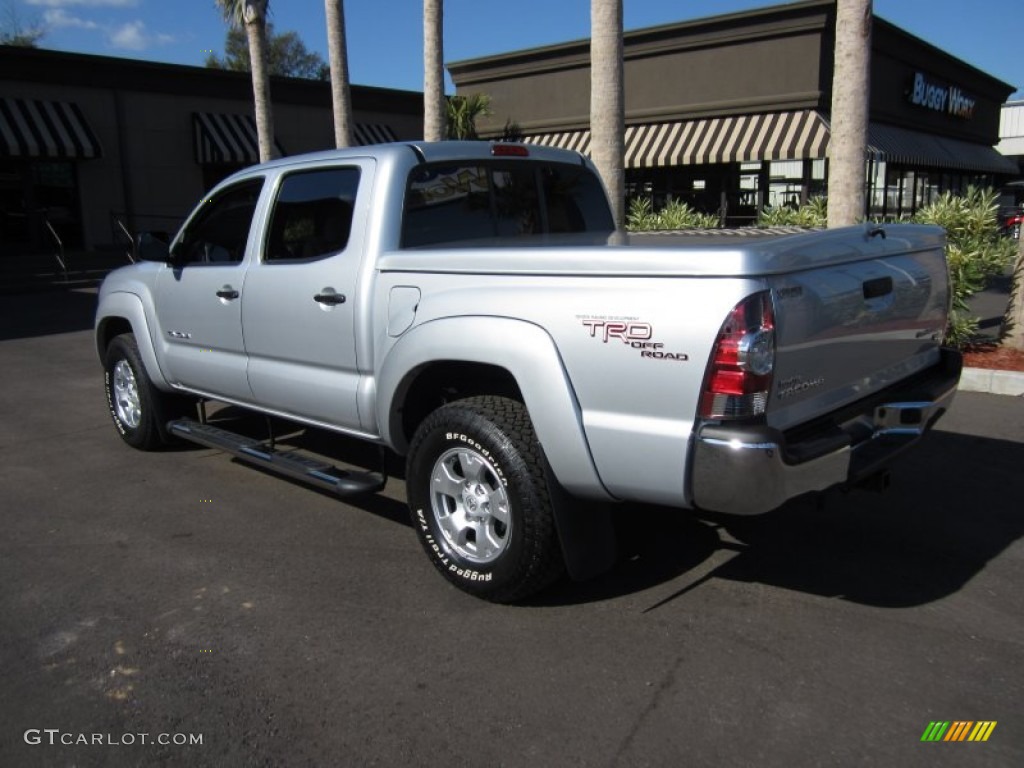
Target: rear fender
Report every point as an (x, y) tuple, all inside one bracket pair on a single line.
[(529, 354)]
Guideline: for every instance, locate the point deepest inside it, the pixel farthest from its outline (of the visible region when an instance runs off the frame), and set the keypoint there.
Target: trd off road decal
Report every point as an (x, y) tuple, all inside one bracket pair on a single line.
[(631, 332)]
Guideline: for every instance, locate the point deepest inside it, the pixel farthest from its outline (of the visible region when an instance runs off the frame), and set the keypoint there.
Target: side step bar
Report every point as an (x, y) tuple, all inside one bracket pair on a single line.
[(291, 463)]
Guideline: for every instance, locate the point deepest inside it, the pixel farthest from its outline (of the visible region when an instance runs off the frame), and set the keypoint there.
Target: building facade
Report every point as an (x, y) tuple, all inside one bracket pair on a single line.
[(731, 113), (91, 144)]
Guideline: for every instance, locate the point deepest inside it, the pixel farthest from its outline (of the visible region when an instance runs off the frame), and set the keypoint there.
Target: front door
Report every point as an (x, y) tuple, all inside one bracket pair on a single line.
[(199, 307), (300, 306)]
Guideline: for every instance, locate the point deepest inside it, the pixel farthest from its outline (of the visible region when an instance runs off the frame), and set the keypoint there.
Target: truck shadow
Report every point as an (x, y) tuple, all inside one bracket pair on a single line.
[(953, 507), (339, 450)]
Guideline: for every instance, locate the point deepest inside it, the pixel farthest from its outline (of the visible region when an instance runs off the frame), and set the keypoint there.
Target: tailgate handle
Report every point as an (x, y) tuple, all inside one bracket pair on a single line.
[(880, 286)]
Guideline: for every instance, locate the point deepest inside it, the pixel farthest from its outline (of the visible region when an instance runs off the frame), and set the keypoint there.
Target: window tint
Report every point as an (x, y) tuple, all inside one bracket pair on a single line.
[(446, 203), (218, 233), (312, 215)]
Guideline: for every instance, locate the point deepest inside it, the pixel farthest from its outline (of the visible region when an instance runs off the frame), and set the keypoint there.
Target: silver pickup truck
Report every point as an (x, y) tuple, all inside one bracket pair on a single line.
[(469, 307)]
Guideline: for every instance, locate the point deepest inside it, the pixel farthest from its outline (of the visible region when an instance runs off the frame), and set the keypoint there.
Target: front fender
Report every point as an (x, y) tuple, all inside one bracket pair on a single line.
[(529, 354), (121, 305)]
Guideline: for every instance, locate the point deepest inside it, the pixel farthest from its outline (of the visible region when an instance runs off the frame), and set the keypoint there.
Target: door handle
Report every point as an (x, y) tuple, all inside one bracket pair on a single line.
[(880, 286), (329, 298), (227, 292)]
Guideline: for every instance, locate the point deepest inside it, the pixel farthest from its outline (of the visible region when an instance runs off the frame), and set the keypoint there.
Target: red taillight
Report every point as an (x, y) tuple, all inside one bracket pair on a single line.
[(739, 376), (509, 150)]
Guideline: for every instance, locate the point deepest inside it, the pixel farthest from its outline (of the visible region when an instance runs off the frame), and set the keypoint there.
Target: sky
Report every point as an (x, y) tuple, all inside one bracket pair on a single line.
[(385, 36)]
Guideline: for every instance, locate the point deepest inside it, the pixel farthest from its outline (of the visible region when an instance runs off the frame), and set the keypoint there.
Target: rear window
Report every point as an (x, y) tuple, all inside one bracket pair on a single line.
[(477, 200)]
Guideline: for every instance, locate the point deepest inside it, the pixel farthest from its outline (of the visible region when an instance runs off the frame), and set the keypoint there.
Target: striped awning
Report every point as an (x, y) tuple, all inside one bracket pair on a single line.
[(905, 147), (373, 133), (36, 128), (734, 139), (227, 139)]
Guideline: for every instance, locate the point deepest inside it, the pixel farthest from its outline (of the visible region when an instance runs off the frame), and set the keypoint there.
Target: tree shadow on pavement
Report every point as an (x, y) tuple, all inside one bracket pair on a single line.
[(43, 314), (953, 507)]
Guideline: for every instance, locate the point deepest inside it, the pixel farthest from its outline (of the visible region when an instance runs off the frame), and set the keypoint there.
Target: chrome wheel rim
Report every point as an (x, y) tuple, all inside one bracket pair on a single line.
[(470, 505), (126, 395)]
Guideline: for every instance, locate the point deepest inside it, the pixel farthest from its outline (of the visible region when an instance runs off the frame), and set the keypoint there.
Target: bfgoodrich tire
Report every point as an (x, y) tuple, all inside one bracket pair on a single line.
[(140, 411), (479, 500)]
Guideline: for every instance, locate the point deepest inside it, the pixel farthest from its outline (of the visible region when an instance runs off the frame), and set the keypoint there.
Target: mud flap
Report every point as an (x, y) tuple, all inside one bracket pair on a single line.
[(585, 531)]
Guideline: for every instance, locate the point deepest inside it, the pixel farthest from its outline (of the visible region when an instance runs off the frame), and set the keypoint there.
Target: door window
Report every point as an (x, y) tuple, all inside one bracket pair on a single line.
[(219, 232), (312, 216)]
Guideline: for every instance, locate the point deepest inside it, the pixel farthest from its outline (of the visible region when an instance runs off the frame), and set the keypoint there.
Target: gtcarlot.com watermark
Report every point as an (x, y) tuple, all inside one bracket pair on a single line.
[(56, 737)]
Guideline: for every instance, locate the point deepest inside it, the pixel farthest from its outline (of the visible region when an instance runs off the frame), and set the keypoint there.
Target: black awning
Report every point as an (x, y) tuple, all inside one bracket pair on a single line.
[(373, 133), (227, 139), (733, 139), (905, 147), (37, 128)]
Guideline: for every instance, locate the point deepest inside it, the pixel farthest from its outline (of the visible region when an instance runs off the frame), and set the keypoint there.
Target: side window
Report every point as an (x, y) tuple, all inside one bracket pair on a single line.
[(218, 233), (312, 216)]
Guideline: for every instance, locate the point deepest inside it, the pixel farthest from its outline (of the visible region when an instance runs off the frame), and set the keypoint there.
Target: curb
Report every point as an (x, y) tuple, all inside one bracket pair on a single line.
[(992, 382)]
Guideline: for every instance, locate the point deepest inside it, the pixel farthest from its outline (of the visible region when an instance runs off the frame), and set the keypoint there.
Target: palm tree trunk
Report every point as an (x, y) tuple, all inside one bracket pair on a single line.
[(850, 93), (256, 34), (607, 102), (433, 70), (341, 99), (1013, 323)]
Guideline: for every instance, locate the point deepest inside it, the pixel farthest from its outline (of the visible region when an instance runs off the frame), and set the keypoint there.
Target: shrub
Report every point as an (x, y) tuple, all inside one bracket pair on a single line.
[(974, 250), (813, 214), (676, 214)]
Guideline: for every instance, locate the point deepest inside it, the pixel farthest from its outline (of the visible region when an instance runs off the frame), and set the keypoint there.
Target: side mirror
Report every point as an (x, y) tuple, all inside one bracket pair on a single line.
[(152, 246)]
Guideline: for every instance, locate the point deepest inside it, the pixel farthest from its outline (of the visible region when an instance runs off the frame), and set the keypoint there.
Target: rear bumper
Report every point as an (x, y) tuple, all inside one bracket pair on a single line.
[(747, 470)]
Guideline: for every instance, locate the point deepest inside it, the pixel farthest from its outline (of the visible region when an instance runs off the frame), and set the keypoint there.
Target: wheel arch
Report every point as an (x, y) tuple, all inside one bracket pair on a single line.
[(451, 358), (122, 312)]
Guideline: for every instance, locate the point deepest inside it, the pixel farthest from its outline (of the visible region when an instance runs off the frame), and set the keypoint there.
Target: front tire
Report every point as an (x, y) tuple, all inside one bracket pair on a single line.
[(140, 411), (480, 501)]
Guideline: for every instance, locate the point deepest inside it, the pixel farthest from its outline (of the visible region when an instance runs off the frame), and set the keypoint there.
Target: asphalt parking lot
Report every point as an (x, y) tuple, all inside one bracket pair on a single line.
[(185, 594)]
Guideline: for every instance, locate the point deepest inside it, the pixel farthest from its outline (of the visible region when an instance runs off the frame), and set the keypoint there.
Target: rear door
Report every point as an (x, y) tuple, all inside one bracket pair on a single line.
[(301, 301)]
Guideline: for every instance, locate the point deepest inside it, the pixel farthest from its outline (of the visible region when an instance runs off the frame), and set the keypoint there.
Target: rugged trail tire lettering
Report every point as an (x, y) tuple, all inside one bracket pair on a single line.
[(498, 433), (154, 408)]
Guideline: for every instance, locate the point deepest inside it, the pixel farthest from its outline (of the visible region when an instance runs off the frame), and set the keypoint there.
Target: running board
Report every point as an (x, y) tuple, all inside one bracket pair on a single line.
[(291, 463)]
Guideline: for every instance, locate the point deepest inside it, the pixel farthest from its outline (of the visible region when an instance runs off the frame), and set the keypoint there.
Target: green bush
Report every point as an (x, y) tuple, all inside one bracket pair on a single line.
[(676, 214), (974, 249), (813, 214)]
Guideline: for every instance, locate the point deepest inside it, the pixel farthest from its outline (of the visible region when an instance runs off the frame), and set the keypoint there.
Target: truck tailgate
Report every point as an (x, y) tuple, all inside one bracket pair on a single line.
[(844, 331)]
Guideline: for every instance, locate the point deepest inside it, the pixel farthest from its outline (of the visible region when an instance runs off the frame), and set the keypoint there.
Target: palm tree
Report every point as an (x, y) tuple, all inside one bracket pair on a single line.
[(461, 114), (850, 85), (433, 70), (1014, 321), (341, 100), (607, 102), (251, 15)]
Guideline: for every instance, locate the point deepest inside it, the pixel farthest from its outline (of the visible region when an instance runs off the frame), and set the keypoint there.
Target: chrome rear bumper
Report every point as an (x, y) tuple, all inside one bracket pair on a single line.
[(747, 470)]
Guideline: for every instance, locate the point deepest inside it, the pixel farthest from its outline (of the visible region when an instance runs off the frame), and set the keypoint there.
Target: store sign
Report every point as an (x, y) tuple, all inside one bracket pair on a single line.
[(940, 97)]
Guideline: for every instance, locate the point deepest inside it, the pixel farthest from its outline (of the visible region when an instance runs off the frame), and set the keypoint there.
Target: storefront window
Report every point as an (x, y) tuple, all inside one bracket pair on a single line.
[(876, 189), (34, 193), (786, 183)]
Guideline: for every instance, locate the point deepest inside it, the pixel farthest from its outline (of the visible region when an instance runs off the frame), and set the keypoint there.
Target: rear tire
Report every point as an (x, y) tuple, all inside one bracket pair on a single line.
[(480, 501), (140, 411)]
